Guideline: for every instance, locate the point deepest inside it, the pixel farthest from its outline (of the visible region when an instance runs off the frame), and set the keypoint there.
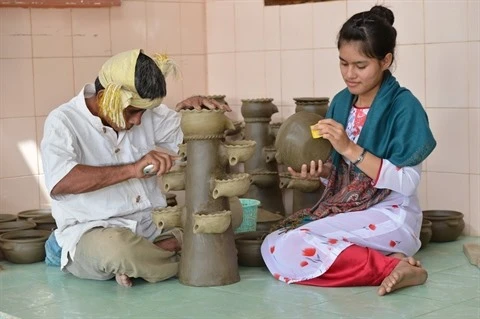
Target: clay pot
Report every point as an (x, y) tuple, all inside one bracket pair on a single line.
[(269, 153), (200, 124), (7, 218), (167, 217), (294, 143), (44, 222), (174, 180), (26, 214), (237, 211), (238, 151), (263, 179), (24, 246), (318, 105), (258, 108), (447, 225), (425, 232), (212, 223), (304, 185), (266, 219), (182, 150), (248, 246), (274, 127), (234, 185), (16, 225)]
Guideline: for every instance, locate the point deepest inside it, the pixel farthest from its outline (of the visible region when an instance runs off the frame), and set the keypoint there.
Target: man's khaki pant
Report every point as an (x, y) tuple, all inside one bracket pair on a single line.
[(103, 252)]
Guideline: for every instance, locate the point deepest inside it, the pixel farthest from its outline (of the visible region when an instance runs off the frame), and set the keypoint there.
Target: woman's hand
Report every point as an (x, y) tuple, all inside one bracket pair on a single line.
[(161, 161), (199, 102), (314, 172), (335, 133)]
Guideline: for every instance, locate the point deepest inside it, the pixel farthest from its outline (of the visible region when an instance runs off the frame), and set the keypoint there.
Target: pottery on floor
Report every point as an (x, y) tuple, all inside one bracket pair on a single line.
[(248, 246), (266, 219), (447, 225), (24, 246), (7, 218), (425, 233), (26, 214), (44, 222), (16, 225)]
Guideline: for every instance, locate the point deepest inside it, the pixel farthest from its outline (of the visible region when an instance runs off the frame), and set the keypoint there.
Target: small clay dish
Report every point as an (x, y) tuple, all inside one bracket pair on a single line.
[(16, 225), (425, 232), (24, 246), (26, 214), (7, 218), (248, 247), (447, 225), (46, 222)]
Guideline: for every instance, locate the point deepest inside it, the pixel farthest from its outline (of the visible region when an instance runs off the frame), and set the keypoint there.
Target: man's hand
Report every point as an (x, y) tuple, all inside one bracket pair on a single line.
[(199, 102), (161, 161)]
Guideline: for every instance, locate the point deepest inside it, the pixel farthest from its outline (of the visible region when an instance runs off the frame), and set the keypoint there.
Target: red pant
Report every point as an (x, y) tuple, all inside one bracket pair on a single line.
[(356, 266)]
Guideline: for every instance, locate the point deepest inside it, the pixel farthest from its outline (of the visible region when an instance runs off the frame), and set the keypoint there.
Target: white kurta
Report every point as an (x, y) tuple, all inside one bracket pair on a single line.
[(390, 226), (72, 135)]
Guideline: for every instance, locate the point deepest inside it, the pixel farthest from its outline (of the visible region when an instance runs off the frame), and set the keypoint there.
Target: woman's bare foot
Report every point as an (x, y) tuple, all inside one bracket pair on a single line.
[(123, 280), (412, 261), (403, 275)]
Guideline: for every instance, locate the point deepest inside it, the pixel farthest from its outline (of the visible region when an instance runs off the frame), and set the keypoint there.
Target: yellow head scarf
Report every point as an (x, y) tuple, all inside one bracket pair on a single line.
[(117, 76)]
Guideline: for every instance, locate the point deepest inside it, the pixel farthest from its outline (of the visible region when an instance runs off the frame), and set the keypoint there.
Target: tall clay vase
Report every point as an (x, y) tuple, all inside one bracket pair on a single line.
[(257, 114), (209, 256)]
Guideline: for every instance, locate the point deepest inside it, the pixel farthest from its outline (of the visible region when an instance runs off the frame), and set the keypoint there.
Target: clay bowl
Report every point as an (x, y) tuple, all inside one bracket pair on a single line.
[(248, 247), (44, 222), (7, 218), (447, 225), (24, 246), (16, 225), (266, 219), (26, 214), (425, 232)]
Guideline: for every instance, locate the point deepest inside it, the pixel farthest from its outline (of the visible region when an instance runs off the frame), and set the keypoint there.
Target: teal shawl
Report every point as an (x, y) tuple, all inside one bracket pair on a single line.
[(396, 127)]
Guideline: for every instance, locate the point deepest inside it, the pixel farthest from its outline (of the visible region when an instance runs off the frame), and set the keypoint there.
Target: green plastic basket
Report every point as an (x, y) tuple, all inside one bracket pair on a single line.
[(249, 222)]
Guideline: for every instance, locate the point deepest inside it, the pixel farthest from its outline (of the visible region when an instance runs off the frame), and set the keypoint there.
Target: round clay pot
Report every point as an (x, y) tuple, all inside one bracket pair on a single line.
[(7, 218), (318, 105), (248, 246), (266, 219), (24, 246), (425, 232), (258, 108), (16, 225), (203, 123), (44, 222), (295, 144), (26, 214), (447, 225)]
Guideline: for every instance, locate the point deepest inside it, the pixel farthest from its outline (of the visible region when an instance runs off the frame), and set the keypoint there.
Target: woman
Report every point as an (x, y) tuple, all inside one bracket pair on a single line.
[(365, 227)]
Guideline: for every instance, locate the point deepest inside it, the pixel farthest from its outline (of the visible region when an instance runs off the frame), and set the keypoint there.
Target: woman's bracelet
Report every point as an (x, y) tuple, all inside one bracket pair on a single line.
[(360, 158)]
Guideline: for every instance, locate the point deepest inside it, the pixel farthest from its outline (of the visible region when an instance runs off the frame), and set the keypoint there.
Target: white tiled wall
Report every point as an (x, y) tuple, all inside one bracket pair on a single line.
[(243, 49)]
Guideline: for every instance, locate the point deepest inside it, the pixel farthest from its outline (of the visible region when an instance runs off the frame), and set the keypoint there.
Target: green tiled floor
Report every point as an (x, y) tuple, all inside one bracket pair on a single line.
[(36, 291)]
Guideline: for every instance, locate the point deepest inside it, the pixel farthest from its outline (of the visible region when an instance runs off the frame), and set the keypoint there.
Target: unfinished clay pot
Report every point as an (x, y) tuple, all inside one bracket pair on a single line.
[(167, 217), (425, 232), (294, 143), (237, 211), (44, 222), (248, 246), (274, 127), (258, 108), (266, 219), (269, 153), (26, 214), (182, 150), (318, 105), (211, 223), (447, 225), (24, 246), (304, 185), (233, 185), (263, 179), (238, 151), (16, 225), (197, 124), (174, 180), (7, 218)]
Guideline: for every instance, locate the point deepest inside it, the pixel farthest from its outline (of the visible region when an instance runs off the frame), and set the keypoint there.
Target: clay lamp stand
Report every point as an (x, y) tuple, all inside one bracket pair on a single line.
[(209, 256), (257, 114)]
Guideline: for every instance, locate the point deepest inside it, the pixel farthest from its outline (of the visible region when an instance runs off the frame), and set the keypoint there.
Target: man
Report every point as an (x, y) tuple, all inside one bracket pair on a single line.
[(94, 151)]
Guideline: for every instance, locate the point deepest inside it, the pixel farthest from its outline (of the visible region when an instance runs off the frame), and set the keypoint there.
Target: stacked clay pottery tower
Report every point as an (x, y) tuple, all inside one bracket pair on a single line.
[(257, 114), (209, 256), (305, 193)]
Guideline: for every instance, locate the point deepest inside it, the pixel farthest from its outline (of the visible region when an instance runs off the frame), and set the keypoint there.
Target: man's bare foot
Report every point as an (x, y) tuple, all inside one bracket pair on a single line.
[(403, 275), (123, 280), (169, 244), (412, 261)]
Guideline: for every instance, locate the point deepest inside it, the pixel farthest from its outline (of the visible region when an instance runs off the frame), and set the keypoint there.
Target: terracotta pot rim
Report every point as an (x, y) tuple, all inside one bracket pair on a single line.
[(40, 235), (436, 215)]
